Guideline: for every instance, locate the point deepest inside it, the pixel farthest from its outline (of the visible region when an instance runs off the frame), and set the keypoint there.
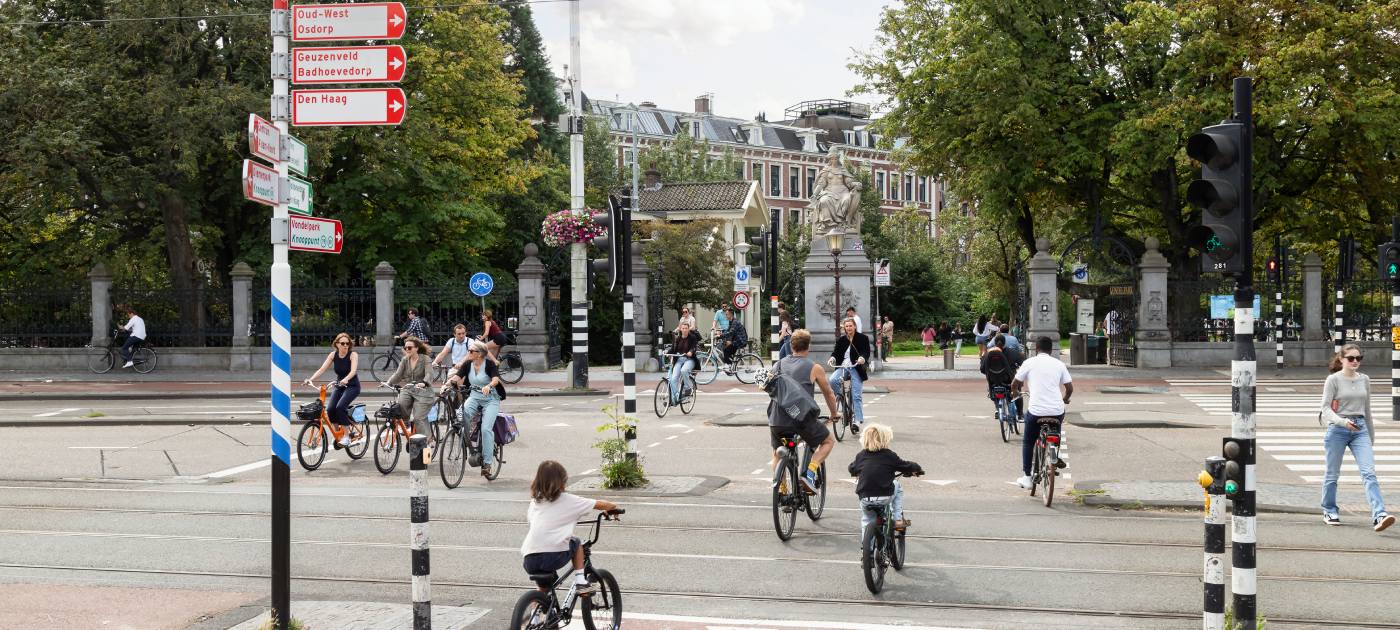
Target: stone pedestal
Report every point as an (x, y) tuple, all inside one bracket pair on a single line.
[(532, 338), (819, 304), (1045, 293), (101, 281), (1154, 344), (240, 358), (1313, 329), (384, 303)]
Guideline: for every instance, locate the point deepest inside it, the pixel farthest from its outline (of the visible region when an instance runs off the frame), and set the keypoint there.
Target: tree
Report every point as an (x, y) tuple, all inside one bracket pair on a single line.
[(528, 62), (694, 261), (686, 160)]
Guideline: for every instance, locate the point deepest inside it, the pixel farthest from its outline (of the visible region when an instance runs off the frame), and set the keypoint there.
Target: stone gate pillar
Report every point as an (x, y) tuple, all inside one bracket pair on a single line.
[(1154, 343), (641, 307), (532, 339), (1045, 296), (384, 303), (241, 278), (1317, 345), (101, 281)]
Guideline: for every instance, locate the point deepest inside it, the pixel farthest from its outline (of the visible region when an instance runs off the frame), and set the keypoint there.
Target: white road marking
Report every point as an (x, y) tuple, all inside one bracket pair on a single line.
[(589, 471), (54, 413), (733, 390), (546, 408), (690, 430), (941, 482), (978, 417), (672, 437), (756, 624), (557, 424), (1126, 402), (757, 472), (104, 448), (654, 445), (677, 426), (923, 417)]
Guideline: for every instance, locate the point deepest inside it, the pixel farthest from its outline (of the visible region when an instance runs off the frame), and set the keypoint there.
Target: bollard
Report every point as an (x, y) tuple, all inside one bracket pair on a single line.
[(1213, 481), (418, 533), (948, 358)]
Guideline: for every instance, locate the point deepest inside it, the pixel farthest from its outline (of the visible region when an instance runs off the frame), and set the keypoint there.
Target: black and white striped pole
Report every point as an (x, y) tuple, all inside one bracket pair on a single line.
[(1212, 480), (629, 359), (1344, 258), (1390, 269), (418, 532), (1278, 326), (1243, 376)]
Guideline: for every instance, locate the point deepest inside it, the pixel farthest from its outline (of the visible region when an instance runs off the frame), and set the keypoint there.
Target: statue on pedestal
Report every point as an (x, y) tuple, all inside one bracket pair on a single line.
[(835, 198)]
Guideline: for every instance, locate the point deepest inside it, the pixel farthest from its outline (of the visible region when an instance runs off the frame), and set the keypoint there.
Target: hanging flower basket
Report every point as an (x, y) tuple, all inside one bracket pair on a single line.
[(566, 228)]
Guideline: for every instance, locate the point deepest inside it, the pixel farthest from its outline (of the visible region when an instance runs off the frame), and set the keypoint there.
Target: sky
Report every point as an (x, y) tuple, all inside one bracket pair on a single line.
[(754, 55)]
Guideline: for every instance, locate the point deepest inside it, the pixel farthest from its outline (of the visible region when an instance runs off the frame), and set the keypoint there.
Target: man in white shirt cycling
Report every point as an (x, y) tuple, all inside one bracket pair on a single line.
[(1045, 373), (457, 347), (137, 327)]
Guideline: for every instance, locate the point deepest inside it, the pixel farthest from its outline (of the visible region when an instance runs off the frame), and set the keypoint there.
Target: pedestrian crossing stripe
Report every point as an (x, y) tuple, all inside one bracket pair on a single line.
[(1225, 382), (1303, 452), (1287, 405)]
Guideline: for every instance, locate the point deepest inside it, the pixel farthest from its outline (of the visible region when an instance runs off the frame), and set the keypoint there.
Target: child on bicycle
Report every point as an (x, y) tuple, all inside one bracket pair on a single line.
[(877, 469), (550, 545)]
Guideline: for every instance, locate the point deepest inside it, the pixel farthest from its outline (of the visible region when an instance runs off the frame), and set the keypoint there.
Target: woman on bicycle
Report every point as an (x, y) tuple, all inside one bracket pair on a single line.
[(550, 543), (687, 343), (492, 334), (346, 363), (414, 377), (686, 318), (487, 392), (877, 470)]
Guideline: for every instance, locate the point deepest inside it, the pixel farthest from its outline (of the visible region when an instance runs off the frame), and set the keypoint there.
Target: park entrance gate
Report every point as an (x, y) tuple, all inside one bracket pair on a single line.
[(1104, 269)]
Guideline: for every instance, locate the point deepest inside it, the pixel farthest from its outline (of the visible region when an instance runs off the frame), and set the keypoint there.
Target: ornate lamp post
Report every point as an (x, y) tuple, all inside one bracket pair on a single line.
[(835, 242)]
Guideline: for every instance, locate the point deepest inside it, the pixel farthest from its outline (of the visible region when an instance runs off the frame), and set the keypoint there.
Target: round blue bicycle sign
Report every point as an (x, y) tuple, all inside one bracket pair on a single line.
[(481, 284)]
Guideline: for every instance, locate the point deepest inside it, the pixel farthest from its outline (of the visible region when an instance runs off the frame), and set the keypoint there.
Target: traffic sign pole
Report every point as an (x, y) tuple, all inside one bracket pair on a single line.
[(281, 361)]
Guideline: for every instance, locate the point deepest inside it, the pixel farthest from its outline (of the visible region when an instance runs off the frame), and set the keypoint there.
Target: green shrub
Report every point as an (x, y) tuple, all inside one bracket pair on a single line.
[(618, 471)]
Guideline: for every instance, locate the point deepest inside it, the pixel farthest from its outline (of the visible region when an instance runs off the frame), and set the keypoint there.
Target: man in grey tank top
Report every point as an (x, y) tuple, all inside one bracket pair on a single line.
[(808, 374)]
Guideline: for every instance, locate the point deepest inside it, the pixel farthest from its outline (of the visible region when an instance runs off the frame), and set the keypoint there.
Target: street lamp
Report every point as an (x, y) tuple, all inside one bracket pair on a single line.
[(835, 242)]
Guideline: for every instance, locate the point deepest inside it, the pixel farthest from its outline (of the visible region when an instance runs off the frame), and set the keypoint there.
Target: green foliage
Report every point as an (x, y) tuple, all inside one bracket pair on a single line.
[(601, 173), (1231, 624), (793, 249), (292, 624), (617, 470), (687, 160), (919, 293), (692, 258)]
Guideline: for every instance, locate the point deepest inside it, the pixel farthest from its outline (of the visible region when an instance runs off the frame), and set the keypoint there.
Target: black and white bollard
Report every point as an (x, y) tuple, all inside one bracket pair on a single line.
[(1339, 332), (1213, 481), (418, 533), (1278, 325)]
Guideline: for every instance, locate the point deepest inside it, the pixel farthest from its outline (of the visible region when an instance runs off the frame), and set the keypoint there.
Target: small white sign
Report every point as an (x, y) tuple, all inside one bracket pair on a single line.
[(1084, 320), (295, 153), (298, 196), (741, 278), (882, 273)]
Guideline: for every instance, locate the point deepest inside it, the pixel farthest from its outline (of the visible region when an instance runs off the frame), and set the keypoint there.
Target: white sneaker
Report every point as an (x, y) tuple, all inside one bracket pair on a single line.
[(1024, 482), (345, 439), (128, 364)]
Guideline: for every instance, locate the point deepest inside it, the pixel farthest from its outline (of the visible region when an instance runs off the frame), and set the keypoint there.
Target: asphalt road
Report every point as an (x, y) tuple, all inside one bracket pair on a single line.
[(183, 504)]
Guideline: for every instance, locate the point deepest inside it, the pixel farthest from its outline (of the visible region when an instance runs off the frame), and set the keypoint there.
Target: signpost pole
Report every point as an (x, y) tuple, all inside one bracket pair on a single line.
[(1394, 327), (281, 362), (578, 252), (1243, 372)]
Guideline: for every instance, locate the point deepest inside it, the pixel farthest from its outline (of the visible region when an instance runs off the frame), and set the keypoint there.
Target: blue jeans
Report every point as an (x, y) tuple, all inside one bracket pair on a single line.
[(338, 405), (489, 408), (867, 517), (1336, 440), (680, 370), (785, 348), (131, 343), (857, 412), (1031, 430)]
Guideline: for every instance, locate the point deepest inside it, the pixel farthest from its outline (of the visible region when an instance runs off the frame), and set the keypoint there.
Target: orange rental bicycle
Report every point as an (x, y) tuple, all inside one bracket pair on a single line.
[(319, 431)]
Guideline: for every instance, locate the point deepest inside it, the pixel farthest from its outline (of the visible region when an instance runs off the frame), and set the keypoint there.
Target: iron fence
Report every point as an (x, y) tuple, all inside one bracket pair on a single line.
[(1366, 309), (46, 315), (320, 311), (1203, 310), (197, 317), (444, 306)]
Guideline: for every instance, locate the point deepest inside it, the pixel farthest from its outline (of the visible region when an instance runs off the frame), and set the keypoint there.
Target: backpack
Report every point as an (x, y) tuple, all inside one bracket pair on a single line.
[(427, 330), (788, 404)]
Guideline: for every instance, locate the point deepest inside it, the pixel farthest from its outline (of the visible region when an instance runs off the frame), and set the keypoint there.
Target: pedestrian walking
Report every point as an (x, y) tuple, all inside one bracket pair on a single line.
[(957, 338), (785, 327), (136, 333), (928, 335), (1346, 413), (886, 337)]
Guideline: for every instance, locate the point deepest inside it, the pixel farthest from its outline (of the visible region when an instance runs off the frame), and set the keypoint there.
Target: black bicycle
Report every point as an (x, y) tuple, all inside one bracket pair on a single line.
[(845, 403), (384, 365), (1045, 459), (881, 544), (789, 495), (512, 366), (102, 359), (1007, 421), (542, 610)]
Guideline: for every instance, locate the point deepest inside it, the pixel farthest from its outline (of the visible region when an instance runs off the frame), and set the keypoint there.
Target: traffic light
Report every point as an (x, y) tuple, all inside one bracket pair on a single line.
[(1346, 258), (1219, 193), (1273, 269), (758, 257), (616, 240), (1389, 257), (1233, 449)]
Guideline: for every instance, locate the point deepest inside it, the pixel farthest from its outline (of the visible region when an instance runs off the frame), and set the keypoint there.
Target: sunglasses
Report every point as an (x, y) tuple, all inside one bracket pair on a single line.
[(342, 343), (1354, 357)]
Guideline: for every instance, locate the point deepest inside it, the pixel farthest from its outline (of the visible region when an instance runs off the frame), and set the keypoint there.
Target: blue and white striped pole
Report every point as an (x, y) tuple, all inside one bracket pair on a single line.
[(281, 328)]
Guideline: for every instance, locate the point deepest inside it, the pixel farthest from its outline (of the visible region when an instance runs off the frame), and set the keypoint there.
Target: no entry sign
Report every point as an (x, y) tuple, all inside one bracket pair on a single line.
[(351, 64), (312, 234), (343, 22), (741, 300), (371, 106)]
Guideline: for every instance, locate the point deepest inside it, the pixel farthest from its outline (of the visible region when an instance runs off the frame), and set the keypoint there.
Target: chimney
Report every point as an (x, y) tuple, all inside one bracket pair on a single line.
[(651, 179), (705, 104), (647, 105)]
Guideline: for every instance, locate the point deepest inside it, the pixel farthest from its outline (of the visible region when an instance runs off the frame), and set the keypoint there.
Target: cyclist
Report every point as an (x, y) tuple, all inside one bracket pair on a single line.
[(687, 343), (346, 363), (1045, 373), (414, 377), (800, 367), (415, 327), (851, 353), (877, 469), (136, 329), (492, 334), (1013, 345), (550, 544), (1000, 365), (851, 314), (735, 338), (456, 347), (487, 392), (720, 325), (686, 318)]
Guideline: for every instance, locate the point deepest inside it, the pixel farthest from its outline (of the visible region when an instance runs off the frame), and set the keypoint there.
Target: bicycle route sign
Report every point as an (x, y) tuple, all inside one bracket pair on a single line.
[(741, 300), (481, 284), (261, 184), (741, 278), (350, 64), (368, 106), (312, 234), (345, 22)]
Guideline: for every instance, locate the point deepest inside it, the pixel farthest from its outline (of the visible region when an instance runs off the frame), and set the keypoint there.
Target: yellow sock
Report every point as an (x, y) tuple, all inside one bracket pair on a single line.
[(813, 467)]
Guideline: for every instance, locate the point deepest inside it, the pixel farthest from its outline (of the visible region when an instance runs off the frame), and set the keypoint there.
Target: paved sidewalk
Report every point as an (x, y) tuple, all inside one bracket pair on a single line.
[(370, 616), (47, 605)]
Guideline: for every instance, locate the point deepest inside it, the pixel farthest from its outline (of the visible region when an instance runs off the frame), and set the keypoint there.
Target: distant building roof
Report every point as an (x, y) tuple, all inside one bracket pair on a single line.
[(687, 197), (832, 119)]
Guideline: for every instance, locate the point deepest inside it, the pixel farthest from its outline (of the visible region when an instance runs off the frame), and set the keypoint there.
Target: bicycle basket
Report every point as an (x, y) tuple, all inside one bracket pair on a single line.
[(390, 410), (310, 411)]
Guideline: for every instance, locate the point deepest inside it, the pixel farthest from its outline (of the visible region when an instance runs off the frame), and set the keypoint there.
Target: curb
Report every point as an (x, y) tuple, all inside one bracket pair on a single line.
[(260, 393), (707, 485), (1108, 500)]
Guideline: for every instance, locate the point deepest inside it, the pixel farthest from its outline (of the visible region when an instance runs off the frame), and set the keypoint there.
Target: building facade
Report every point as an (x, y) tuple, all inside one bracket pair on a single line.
[(782, 157)]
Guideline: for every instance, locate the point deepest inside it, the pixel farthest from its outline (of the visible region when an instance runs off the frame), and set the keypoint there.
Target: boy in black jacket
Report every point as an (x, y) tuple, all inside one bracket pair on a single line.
[(878, 468)]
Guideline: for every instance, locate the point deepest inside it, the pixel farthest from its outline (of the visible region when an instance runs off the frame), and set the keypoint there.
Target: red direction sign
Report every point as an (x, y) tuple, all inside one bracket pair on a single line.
[(741, 300), (351, 64), (260, 183), (312, 234), (372, 106), (342, 22), (264, 139)]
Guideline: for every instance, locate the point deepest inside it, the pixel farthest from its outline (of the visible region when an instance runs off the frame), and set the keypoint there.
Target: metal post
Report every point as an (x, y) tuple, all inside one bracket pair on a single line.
[(1339, 330), (1214, 607), (771, 267), (418, 532), (1278, 304), (836, 269), (578, 252), (1243, 375), (629, 335), (281, 359), (1394, 324)]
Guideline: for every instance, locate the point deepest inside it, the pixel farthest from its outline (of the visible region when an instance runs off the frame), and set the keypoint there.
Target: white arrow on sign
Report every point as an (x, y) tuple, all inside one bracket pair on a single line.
[(264, 139), (261, 184), (370, 106)]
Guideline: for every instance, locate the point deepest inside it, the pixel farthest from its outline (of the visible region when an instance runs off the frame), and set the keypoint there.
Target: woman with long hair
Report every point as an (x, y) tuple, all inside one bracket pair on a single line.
[(981, 333), (346, 363), (414, 378), (1346, 413)]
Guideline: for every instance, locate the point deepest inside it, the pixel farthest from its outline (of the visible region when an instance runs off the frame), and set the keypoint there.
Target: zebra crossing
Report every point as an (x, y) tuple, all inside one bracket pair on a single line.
[(1281, 404), (1301, 450)]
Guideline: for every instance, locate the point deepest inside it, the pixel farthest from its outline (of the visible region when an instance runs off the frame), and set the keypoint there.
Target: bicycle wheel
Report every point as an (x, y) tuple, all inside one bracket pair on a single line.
[(784, 496), (709, 370), (897, 551), (1047, 479), (816, 503), (604, 609), (440, 420), (145, 359), (688, 399), (359, 440), (1037, 456), (386, 448), (531, 612), (452, 459), (311, 445), (746, 368), (870, 544), (494, 470), (661, 399), (1015, 420), (383, 367), (838, 429), (101, 360), (1001, 418), (512, 367)]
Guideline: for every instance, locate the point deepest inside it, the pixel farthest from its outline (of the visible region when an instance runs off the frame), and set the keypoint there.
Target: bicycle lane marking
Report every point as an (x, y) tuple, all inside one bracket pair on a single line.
[(688, 622), (55, 413)]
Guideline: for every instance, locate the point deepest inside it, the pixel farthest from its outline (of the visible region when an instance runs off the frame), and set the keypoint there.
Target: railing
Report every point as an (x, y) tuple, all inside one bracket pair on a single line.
[(1366, 309), (1194, 317), (46, 316), (444, 306), (195, 317), (320, 311)]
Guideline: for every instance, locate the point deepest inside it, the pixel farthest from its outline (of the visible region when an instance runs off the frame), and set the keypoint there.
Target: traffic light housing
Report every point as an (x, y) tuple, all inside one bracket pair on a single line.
[(758, 257), (1389, 257), (1220, 193), (1272, 267), (616, 242), (1234, 452)]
